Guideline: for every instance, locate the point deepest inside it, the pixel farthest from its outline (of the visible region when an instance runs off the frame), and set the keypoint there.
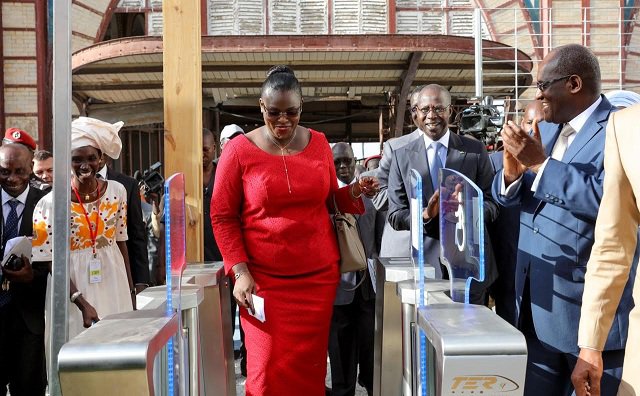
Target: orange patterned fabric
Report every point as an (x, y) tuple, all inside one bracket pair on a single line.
[(112, 224)]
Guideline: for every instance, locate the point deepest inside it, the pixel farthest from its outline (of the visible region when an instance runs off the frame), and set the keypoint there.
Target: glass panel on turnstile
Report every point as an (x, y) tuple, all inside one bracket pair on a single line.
[(417, 259), (175, 254), (461, 232)]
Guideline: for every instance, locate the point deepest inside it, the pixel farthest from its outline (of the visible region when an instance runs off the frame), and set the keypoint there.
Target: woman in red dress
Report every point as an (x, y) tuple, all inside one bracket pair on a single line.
[(271, 220)]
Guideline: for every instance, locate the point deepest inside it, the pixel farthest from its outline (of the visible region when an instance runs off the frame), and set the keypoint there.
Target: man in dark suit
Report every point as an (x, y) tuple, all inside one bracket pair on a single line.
[(22, 358), (394, 243), (556, 176), (504, 232), (353, 320), (137, 243), (431, 107)]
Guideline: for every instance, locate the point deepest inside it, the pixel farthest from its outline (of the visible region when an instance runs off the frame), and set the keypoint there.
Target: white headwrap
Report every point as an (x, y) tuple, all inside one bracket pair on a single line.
[(621, 98), (86, 131)]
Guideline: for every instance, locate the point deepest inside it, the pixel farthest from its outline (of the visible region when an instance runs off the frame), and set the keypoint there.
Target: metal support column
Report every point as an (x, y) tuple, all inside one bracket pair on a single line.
[(477, 17), (58, 302)]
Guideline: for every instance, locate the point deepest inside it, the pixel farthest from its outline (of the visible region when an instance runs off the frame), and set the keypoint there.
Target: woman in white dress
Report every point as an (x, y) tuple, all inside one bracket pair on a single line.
[(99, 263)]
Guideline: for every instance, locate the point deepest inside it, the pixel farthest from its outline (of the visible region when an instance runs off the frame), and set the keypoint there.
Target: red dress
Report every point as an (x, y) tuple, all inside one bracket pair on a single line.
[(290, 246)]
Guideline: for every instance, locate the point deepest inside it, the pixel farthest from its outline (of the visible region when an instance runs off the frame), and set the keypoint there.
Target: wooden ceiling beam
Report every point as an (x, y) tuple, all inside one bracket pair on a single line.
[(406, 81), (383, 84), (317, 67)]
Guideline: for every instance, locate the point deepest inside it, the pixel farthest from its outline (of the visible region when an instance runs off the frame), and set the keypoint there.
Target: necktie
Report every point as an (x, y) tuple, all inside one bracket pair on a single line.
[(11, 223), (563, 142), (10, 231), (435, 164)]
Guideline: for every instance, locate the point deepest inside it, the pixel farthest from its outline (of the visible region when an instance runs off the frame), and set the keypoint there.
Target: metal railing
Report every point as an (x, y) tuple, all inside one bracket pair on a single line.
[(612, 33)]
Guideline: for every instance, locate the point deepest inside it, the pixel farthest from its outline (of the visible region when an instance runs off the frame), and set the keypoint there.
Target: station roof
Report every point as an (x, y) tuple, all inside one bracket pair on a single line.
[(343, 74)]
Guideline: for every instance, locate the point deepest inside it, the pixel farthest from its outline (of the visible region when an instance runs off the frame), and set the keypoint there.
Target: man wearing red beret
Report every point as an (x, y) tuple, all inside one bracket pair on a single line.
[(16, 135)]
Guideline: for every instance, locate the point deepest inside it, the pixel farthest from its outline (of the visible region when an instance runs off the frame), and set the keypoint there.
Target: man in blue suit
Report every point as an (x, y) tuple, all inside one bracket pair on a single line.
[(556, 176)]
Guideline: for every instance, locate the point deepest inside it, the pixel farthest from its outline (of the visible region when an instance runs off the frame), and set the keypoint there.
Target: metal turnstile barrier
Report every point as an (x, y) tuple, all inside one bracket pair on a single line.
[(217, 369), (474, 351), (191, 296), (387, 353), (118, 355), (434, 293), (126, 353)]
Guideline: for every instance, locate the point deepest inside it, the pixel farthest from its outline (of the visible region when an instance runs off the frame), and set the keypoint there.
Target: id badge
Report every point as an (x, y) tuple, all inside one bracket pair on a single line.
[(95, 271)]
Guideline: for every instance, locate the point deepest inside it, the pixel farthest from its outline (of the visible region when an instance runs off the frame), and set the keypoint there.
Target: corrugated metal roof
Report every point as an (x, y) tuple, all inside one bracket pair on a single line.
[(355, 69)]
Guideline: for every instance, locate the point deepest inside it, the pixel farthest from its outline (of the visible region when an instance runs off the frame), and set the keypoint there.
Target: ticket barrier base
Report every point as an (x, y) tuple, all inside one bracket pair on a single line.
[(118, 355), (406, 290), (217, 368), (472, 351), (191, 298), (387, 353)]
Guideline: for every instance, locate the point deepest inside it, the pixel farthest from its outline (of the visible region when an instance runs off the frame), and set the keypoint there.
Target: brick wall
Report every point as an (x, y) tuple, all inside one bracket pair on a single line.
[(20, 66)]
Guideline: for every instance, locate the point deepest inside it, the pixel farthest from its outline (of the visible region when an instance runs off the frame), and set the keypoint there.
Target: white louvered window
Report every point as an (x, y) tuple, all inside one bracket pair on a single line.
[(233, 17), (461, 23), (428, 22), (298, 17), (360, 16), (154, 24), (131, 3)]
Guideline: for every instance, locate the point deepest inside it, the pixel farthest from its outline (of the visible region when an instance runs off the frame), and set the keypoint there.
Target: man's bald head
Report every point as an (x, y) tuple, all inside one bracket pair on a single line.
[(344, 161), (533, 111)]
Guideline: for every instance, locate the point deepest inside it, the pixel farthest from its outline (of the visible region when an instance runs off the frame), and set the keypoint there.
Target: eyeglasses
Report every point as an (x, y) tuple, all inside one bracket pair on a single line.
[(343, 160), (289, 113), (542, 85), (439, 110)]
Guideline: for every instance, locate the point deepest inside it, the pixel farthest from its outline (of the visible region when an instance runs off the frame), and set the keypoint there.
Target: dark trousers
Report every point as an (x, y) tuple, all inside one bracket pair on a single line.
[(549, 370), (243, 349), (22, 359), (351, 345)]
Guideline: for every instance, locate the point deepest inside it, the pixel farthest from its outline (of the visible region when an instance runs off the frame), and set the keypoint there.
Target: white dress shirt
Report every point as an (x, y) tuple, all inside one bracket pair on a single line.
[(444, 140), (103, 173), (6, 208)]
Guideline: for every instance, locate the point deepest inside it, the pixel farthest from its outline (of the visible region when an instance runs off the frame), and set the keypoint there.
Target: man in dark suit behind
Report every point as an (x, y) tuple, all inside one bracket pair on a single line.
[(556, 177), (353, 320), (431, 109), (137, 243), (504, 232), (22, 358)]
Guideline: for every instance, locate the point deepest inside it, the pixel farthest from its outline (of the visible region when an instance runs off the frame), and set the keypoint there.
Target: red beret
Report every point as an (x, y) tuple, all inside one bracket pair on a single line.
[(16, 135), (377, 156)]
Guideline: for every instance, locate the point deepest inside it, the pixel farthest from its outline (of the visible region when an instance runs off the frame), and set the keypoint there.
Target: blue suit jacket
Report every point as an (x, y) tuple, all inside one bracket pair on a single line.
[(557, 232)]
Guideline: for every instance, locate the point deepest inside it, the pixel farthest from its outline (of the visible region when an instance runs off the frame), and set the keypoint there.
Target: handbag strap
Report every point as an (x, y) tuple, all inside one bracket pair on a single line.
[(335, 205), (364, 276)]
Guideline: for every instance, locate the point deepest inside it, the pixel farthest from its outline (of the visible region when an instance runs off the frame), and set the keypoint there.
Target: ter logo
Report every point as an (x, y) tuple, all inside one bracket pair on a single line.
[(493, 383)]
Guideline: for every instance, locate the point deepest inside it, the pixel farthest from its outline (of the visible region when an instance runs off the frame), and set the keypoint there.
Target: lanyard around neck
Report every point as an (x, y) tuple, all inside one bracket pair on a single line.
[(93, 233)]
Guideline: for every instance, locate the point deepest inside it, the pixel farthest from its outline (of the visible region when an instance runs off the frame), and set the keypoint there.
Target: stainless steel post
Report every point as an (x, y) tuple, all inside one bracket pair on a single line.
[(191, 322), (59, 298), (477, 17), (408, 330), (387, 344), (217, 370)]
